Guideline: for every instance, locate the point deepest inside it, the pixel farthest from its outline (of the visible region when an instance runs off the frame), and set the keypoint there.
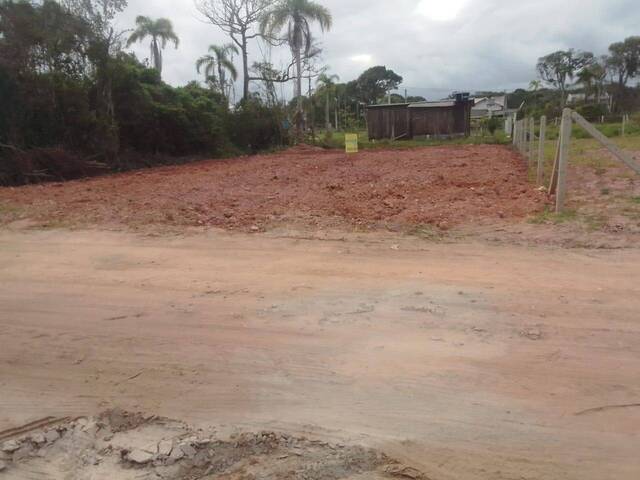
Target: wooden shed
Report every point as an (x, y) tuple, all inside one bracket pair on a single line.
[(447, 118)]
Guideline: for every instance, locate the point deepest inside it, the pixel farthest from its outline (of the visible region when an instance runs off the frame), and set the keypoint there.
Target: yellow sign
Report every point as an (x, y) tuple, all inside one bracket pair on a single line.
[(351, 142)]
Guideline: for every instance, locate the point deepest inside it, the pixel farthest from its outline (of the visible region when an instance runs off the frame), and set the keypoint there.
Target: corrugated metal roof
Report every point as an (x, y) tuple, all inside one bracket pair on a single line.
[(382, 105), (438, 104), (445, 103)]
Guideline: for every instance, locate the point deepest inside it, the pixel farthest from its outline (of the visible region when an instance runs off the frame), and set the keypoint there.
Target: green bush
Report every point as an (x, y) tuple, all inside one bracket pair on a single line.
[(493, 124), (593, 113), (253, 126)]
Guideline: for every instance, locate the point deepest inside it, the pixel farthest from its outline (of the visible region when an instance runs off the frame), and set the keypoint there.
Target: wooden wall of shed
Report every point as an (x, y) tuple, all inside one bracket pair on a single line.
[(388, 122), (432, 121), (399, 121)]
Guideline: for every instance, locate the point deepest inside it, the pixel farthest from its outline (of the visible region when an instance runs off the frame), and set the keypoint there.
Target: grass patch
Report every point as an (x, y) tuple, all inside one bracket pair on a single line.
[(549, 216), (337, 141), (635, 200), (591, 222), (9, 211), (426, 232)]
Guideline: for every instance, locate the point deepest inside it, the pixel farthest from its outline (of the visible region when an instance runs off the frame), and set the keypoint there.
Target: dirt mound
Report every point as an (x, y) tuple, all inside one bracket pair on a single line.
[(120, 446), (440, 186)]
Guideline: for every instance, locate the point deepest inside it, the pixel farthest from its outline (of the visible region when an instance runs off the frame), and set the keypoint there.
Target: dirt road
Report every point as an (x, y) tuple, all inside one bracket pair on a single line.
[(466, 360)]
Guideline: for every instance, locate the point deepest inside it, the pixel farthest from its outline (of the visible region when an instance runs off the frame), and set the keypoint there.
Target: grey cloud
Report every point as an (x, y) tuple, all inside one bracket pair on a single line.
[(492, 44)]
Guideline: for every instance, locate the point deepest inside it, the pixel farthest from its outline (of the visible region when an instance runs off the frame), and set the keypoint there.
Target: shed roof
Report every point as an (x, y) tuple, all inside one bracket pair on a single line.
[(440, 104), (386, 105)]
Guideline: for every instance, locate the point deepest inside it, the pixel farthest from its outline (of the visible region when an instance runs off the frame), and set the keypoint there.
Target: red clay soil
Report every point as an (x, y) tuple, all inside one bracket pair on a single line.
[(441, 186)]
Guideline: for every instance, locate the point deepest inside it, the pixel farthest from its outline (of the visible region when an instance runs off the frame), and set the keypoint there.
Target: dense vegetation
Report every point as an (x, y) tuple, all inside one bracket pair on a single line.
[(73, 102)]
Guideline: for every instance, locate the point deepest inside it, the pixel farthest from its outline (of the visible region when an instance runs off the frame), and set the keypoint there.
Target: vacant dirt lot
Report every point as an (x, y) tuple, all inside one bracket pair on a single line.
[(464, 361), (364, 355), (441, 186)]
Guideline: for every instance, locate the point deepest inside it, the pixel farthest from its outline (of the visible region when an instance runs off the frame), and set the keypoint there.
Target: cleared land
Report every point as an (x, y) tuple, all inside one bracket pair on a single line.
[(462, 361), (440, 186)]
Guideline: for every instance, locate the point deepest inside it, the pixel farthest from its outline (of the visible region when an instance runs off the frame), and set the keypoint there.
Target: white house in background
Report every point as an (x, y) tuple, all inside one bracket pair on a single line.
[(489, 107), (574, 98)]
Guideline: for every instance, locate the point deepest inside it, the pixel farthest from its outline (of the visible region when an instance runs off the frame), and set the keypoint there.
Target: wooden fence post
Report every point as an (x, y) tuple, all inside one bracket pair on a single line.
[(519, 129), (624, 124), (541, 142), (565, 143), (532, 139), (514, 133), (525, 132)]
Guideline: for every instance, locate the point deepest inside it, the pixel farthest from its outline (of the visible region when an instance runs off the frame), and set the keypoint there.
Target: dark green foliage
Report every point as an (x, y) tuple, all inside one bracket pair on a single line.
[(69, 102), (375, 83), (156, 118), (255, 127), (493, 124), (593, 112)]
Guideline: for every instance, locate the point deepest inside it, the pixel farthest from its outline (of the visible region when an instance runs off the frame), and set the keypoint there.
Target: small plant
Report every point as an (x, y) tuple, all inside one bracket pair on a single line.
[(605, 191), (493, 124), (548, 216)]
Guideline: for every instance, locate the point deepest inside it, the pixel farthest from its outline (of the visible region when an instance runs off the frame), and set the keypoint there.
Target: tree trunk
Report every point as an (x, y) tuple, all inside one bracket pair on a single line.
[(110, 138), (221, 79), (245, 67), (298, 93), (327, 114), (157, 56)]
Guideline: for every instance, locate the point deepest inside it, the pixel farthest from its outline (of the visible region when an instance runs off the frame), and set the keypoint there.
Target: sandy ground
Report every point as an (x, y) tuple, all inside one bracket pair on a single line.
[(467, 361)]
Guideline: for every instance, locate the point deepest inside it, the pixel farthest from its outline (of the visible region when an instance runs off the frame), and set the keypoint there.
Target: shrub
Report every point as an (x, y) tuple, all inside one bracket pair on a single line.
[(493, 124), (253, 126), (592, 113)]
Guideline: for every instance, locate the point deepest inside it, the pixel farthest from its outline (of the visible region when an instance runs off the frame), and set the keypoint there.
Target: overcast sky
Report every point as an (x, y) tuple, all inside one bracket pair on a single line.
[(437, 45)]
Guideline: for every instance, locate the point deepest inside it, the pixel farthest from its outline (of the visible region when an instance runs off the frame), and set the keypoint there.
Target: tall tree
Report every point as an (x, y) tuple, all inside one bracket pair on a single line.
[(623, 61), (377, 82), (296, 16), (559, 68), (239, 20), (219, 60), (327, 84), (592, 78), (160, 31)]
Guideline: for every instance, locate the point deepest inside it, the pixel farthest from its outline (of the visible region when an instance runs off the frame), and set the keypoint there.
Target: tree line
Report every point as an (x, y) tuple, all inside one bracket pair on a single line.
[(608, 74), (73, 100)]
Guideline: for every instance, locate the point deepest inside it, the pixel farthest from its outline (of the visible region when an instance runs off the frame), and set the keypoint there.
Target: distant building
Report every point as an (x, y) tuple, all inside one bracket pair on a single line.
[(487, 107), (577, 98)]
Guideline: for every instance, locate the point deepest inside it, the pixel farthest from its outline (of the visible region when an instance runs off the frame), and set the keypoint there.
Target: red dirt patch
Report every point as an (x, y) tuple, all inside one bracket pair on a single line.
[(443, 186)]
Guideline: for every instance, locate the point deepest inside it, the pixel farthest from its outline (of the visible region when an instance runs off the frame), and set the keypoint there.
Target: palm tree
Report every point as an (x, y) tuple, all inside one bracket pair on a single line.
[(296, 16), (591, 77), (535, 85), (328, 85), (220, 59), (160, 31)]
